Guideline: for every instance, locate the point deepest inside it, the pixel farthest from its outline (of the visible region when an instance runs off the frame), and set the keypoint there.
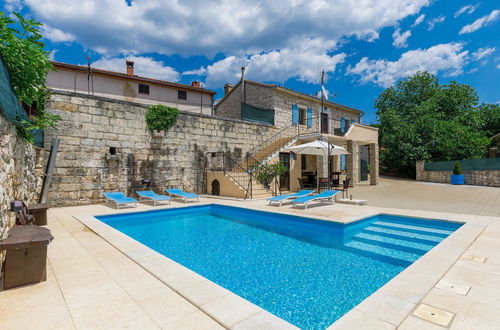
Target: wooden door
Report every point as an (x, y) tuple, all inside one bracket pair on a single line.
[(324, 123)]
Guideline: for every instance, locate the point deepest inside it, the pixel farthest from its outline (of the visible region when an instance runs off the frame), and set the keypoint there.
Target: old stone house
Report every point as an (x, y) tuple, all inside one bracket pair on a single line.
[(300, 118), (130, 87)]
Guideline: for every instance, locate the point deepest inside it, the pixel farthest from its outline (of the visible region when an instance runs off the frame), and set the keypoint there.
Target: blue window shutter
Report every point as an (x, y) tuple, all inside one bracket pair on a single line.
[(342, 162), (295, 114), (309, 117), (352, 122), (342, 124)]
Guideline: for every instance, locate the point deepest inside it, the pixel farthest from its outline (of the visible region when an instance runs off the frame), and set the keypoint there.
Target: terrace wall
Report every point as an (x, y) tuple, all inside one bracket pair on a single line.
[(19, 177), (92, 125), (479, 177)]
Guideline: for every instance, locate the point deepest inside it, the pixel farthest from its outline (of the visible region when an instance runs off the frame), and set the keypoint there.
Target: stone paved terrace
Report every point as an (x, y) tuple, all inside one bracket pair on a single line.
[(439, 197), (91, 284)]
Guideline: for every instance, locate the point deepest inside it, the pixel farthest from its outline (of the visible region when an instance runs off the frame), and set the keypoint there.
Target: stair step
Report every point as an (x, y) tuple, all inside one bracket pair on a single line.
[(413, 229), (402, 257), (404, 235), (395, 241), (392, 243)]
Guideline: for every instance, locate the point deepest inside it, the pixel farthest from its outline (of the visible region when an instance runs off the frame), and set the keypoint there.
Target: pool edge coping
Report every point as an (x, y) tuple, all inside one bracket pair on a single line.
[(445, 254)]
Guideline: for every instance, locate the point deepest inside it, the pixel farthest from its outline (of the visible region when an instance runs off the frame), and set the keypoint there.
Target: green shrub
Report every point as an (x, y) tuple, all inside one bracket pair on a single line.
[(267, 172), (457, 169), (160, 117)]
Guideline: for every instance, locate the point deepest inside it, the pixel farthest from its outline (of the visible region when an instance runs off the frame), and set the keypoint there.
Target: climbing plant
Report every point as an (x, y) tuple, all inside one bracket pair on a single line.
[(28, 64), (160, 117)]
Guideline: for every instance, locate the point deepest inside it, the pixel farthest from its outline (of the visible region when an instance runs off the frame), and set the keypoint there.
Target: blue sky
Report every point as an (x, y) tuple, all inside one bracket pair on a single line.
[(364, 46)]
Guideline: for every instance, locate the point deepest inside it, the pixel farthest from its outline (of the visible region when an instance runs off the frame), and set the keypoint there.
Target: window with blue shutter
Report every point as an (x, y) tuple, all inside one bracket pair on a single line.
[(309, 117), (295, 114), (342, 162), (352, 122), (342, 124)]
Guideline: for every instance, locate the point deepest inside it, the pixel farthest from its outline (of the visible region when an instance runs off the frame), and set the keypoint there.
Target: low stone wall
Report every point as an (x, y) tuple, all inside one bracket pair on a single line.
[(477, 177), (19, 177), (106, 146)]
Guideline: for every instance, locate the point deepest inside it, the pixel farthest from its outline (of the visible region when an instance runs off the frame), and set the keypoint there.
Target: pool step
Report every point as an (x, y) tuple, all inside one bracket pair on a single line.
[(393, 243), (403, 235), (413, 229), (382, 253)]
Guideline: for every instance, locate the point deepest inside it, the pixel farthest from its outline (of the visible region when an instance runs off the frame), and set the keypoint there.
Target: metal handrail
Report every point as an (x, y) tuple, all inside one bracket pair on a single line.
[(269, 139), (228, 170)]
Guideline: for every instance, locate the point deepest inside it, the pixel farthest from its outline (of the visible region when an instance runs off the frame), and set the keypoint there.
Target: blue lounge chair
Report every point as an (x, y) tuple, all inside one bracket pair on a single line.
[(184, 196), (152, 196), (285, 198), (119, 199), (323, 196)]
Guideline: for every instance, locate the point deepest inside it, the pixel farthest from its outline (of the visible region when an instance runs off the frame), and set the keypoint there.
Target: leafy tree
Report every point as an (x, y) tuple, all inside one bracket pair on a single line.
[(28, 63), (423, 120)]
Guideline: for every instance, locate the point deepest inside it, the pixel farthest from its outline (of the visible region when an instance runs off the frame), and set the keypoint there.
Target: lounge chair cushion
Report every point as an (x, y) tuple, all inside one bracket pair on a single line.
[(297, 194), (151, 194)]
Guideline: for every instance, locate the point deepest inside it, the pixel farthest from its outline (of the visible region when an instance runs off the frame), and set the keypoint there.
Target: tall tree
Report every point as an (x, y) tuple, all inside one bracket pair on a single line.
[(423, 120)]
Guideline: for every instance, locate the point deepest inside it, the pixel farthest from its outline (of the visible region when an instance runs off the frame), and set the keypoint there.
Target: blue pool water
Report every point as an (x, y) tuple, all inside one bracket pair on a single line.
[(306, 271)]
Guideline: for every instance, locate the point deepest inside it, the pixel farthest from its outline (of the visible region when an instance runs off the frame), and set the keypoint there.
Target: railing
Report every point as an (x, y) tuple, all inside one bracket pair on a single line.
[(275, 142), (239, 175)]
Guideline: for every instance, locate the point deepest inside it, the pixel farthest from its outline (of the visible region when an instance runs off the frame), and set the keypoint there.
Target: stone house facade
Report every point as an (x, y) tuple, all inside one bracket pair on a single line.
[(336, 117)]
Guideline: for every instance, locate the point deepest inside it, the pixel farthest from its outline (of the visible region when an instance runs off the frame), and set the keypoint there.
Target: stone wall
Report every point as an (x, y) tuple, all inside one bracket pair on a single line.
[(476, 178), (93, 128), (19, 177), (256, 95)]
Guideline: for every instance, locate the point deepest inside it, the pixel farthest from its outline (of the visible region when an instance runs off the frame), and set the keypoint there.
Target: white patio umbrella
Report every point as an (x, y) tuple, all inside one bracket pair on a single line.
[(319, 148)]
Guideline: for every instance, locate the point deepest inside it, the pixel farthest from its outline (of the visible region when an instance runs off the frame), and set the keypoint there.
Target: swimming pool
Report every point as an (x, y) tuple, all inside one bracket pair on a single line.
[(307, 271)]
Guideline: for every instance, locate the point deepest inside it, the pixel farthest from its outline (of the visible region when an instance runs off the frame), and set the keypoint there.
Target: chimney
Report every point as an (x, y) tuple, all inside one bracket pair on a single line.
[(243, 89), (196, 84), (130, 68), (227, 88)]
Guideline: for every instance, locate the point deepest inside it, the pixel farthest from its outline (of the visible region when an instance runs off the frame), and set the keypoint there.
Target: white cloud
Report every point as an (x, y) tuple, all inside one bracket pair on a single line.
[(449, 59), (400, 39), (304, 60), (469, 9), (203, 27), (483, 53), (419, 20), (481, 22), (433, 22), (498, 66), (56, 35), (143, 66), (13, 5)]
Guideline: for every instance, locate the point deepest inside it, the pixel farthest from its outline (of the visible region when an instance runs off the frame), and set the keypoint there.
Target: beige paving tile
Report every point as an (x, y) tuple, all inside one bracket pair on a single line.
[(263, 320), (204, 292), (356, 319), (183, 279), (90, 290), (479, 317), (474, 258), (415, 323), (230, 309), (165, 306), (197, 320), (403, 289), (448, 301), (453, 287), (386, 307), (489, 292), (434, 315), (119, 312)]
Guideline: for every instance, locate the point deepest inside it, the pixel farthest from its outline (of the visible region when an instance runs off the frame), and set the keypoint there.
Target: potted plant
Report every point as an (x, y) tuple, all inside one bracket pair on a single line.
[(457, 177)]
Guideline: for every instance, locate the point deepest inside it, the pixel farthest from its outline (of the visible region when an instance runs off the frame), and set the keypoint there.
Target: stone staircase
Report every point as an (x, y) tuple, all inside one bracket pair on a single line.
[(239, 173)]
